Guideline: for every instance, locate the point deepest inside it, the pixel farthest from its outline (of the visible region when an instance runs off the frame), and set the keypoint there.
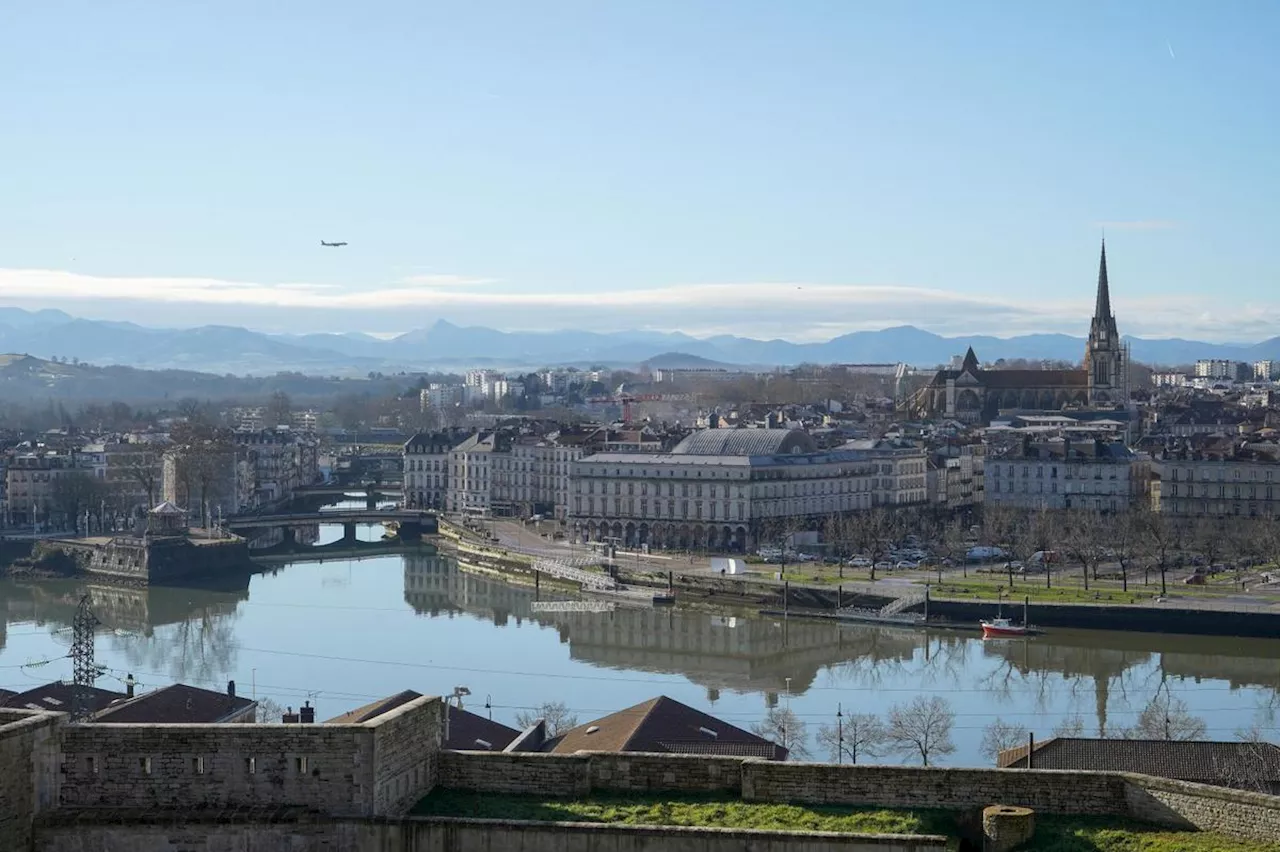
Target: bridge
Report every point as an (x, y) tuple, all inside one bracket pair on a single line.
[(335, 490), (343, 550), (332, 516)]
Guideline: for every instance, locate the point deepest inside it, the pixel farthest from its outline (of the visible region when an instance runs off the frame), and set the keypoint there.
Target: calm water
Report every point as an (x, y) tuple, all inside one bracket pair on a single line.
[(344, 632)]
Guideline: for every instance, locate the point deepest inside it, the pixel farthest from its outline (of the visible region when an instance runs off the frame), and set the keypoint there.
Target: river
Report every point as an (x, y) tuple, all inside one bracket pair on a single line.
[(343, 633)]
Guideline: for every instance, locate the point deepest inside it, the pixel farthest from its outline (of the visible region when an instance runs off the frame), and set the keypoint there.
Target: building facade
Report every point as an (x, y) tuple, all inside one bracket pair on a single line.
[(426, 469), (1238, 481), (1063, 474), (719, 489)]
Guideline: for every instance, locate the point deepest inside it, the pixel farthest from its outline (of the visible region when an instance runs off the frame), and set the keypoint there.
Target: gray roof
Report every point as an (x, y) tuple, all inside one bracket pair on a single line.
[(745, 442)]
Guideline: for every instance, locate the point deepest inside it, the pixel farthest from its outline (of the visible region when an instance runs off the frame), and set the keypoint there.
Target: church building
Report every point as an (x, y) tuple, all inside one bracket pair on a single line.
[(974, 395)]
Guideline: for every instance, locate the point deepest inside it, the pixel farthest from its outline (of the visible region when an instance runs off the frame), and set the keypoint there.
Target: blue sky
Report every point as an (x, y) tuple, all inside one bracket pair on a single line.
[(793, 169)]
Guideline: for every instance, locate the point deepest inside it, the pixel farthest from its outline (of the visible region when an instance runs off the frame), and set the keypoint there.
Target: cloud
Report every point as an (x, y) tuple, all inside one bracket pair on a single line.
[(797, 311), (1138, 225)]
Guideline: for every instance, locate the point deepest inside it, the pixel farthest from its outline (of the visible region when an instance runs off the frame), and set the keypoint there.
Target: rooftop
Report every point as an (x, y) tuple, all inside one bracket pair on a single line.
[(59, 696), (180, 704), (745, 442)]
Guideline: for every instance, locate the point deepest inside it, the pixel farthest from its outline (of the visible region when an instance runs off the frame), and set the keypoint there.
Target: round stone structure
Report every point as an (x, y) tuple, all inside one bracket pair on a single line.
[(1006, 827)]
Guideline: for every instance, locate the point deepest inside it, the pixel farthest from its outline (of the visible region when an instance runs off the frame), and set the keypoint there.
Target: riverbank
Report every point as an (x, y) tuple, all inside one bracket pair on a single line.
[(801, 599)]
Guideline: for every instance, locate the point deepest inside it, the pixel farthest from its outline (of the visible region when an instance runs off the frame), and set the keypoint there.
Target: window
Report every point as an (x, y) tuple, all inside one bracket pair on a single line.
[(144, 763), (197, 765), (251, 765), (301, 764), (91, 763)]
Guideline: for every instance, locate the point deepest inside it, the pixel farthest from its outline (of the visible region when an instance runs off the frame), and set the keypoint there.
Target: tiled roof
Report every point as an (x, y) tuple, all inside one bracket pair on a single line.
[(663, 724), (178, 704), (374, 709), (469, 731), (5, 695), (1203, 762), (58, 696)]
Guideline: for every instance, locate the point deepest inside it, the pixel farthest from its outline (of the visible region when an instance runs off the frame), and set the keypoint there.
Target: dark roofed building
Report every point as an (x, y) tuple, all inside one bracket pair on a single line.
[(374, 709), (746, 442), (665, 725), (5, 695), (58, 697), (467, 731), (182, 704), (1253, 766)]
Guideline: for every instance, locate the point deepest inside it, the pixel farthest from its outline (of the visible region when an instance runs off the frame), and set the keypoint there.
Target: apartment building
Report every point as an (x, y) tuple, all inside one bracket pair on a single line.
[(1104, 476), (1219, 478), (426, 468), (719, 489)]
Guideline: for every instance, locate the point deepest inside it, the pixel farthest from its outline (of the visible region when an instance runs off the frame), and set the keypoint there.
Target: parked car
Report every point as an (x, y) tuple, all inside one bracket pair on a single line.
[(860, 562), (884, 566), (907, 565)]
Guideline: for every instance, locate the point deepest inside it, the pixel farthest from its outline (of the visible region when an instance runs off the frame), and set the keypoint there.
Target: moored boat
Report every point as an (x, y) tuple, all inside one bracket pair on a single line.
[(997, 627)]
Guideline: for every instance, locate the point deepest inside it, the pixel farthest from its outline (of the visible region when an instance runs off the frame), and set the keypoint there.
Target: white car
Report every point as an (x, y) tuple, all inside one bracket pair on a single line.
[(907, 565), (884, 566), (860, 562)]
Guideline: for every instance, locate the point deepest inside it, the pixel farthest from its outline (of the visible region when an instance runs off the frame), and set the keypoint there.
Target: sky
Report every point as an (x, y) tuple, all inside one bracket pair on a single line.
[(793, 169)]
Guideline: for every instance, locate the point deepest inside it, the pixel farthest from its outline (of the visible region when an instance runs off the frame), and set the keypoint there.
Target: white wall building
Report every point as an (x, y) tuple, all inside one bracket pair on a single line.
[(1058, 474)]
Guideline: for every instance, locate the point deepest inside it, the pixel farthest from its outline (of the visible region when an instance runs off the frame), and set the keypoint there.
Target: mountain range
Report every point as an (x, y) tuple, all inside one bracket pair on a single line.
[(445, 346)]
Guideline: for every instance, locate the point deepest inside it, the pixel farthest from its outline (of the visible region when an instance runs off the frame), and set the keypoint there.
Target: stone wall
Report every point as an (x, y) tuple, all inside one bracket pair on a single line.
[(381, 767), (406, 748), (29, 777), (1179, 803), (754, 779), (452, 835)]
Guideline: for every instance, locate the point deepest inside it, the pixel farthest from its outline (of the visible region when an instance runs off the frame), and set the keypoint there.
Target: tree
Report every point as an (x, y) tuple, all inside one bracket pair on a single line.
[(1085, 541), (73, 492), (205, 458), (922, 727), (1070, 726), (268, 711), (1164, 539), (852, 736), (1006, 528), (1041, 533), (1212, 538), (146, 472), (1000, 736), (1123, 533), (786, 729), (555, 714), (1167, 718), (873, 531)]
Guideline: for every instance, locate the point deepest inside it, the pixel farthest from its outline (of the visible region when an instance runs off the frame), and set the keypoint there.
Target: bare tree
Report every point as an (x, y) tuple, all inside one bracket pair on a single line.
[(268, 711), (1000, 736), (857, 735), (1041, 535), (1085, 541), (1164, 539), (555, 714), (1167, 718), (278, 410), (1006, 528), (1211, 537), (1070, 726), (873, 532), (1123, 533), (785, 728), (922, 727)]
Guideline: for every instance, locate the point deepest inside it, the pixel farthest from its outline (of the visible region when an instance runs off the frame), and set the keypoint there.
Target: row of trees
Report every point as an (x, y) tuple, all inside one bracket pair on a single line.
[(1097, 543)]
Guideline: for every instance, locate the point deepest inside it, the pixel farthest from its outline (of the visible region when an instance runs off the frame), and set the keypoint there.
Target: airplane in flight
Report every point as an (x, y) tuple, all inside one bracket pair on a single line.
[(331, 245)]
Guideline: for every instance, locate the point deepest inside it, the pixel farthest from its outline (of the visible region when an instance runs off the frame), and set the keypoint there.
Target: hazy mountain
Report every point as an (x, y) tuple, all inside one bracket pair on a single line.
[(443, 345)]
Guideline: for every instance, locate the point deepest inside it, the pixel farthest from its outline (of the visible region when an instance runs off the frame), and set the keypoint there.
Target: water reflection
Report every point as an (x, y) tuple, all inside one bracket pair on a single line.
[(344, 632)]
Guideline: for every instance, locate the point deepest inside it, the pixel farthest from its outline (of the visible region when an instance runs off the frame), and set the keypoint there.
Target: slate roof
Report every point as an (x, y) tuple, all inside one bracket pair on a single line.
[(663, 724), (58, 696), (467, 729), (167, 508), (745, 442), (179, 704), (5, 695), (374, 709), (1220, 763)]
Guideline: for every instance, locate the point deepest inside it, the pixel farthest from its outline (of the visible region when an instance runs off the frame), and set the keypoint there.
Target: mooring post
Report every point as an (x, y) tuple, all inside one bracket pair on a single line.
[(786, 596), (537, 584)]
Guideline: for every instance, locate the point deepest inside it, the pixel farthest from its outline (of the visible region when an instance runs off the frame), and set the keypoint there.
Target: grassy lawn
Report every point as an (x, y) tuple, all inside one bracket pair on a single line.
[(709, 811), (1063, 834)]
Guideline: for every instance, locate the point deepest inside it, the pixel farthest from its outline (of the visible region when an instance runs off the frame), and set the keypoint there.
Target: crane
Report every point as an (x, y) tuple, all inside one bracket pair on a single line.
[(621, 397)]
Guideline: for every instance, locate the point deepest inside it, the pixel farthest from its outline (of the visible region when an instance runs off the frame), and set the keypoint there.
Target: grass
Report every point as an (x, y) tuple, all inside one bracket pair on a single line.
[(1080, 834), (706, 811)]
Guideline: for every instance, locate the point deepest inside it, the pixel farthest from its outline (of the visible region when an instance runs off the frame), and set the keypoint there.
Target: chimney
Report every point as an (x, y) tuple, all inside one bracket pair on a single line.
[(129, 683), (307, 713), (231, 688), (289, 717)]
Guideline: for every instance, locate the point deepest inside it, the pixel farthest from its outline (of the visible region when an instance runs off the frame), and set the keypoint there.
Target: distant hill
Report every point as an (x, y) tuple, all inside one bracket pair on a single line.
[(446, 346), (681, 361)]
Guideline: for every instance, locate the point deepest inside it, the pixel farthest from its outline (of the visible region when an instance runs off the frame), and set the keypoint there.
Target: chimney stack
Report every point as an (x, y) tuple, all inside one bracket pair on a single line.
[(231, 688), (307, 713), (289, 717), (129, 683)]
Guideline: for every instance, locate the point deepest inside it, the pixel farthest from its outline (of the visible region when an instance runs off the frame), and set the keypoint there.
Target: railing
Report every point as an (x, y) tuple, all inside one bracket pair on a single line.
[(901, 604), (565, 571)]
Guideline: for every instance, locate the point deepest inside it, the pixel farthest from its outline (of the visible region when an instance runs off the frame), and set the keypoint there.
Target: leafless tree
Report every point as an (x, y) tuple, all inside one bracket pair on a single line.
[(1211, 537), (1085, 541), (1167, 718), (1123, 533), (146, 472), (856, 735), (1164, 539), (1070, 726), (785, 728), (268, 711), (1042, 534), (1000, 736), (555, 714), (922, 727), (278, 411), (873, 532), (1006, 528), (954, 543)]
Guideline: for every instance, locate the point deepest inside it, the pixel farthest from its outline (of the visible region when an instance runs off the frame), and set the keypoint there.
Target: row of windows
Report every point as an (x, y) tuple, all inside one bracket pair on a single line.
[(797, 489), (1189, 474), (1237, 492), (301, 765)]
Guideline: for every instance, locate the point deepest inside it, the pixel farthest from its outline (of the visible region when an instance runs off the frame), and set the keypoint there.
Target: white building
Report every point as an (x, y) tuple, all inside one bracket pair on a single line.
[(1242, 480), (1216, 368), (901, 471), (719, 489), (472, 465), (1267, 371), (426, 469)]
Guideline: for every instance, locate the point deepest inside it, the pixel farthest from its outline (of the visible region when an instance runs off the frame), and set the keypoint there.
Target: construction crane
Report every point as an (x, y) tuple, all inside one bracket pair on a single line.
[(621, 397)]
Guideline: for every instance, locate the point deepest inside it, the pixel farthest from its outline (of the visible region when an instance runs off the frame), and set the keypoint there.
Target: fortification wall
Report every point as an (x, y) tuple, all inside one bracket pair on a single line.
[(29, 777), (1239, 813), (455, 835), (406, 749)]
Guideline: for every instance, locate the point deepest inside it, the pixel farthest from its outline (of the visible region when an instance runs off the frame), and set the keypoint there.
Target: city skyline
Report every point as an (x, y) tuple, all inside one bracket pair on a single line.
[(797, 172)]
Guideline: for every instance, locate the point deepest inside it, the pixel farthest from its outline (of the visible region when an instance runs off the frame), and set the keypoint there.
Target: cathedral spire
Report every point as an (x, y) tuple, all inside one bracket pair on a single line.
[(1102, 310)]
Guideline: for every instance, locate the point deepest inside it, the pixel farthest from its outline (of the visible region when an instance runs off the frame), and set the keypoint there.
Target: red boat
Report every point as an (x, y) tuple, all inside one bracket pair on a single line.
[(998, 627)]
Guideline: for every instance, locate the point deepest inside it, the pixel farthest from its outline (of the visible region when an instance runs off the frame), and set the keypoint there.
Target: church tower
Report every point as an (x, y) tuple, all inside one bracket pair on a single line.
[(1106, 357)]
